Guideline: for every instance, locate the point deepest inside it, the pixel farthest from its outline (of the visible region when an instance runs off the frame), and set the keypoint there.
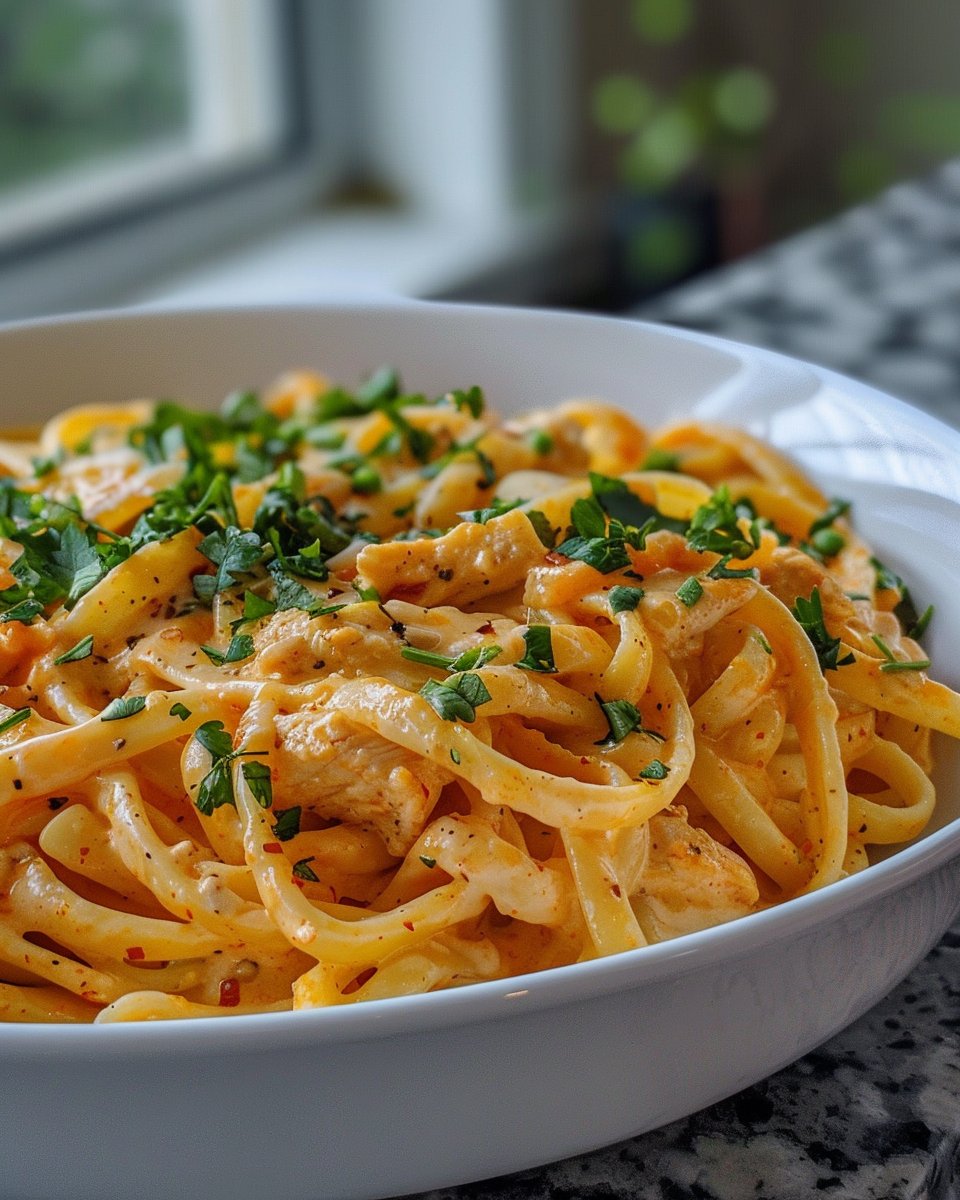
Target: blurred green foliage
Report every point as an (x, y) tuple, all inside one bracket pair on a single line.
[(712, 127), (84, 79)]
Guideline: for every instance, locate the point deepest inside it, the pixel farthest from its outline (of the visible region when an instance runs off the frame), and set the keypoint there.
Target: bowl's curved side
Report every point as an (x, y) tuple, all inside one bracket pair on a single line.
[(488, 1087), (386, 1116)]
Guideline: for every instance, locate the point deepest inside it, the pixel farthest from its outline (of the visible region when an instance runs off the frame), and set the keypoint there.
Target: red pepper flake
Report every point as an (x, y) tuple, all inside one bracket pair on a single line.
[(615, 888), (558, 560), (272, 848), (408, 925), (229, 993), (407, 591), (84, 851), (806, 847), (134, 953)]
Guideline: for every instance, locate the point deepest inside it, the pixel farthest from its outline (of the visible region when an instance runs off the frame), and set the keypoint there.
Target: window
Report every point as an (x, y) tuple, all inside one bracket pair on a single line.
[(109, 104), (202, 150)]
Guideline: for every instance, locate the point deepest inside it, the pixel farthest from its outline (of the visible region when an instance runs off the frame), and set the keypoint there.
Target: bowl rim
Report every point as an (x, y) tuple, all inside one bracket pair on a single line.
[(532, 991)]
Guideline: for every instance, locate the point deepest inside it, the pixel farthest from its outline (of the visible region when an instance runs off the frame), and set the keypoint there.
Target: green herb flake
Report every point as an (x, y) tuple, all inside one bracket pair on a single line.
[(540, 442), (625, 599), (455, 755), (919, 628), (123, 707), (287, 824), (836, 508), (457, 698), (809, 615), (622, 718), (603, 554), (258, 779), (542, 527), (14, 718), (181, 711), (828, 542), (303, 870), (471, 399), (26, 611), (690, 591), (655, 769), (661, 460), (715, 526), (83, 649), (897, 664), (539, 650), (427, 861), (240, 648)]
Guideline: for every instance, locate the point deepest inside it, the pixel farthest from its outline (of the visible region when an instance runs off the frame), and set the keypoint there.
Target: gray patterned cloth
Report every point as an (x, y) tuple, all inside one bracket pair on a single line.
[(874, 1114), (874, 293)]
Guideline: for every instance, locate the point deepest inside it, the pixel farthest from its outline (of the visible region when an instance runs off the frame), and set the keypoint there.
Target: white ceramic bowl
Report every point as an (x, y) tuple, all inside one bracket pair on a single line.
[(399, 1095)]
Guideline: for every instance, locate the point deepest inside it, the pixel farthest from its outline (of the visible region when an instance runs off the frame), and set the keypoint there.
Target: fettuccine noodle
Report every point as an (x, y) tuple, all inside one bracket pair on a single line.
[(339, 696)]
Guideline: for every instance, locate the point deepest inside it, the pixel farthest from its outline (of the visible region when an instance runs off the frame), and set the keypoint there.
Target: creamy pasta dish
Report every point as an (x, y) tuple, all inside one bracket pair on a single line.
[(338, 695)]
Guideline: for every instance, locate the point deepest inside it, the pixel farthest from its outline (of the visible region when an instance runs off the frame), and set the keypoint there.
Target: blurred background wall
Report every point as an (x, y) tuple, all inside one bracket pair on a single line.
[(589, 153)]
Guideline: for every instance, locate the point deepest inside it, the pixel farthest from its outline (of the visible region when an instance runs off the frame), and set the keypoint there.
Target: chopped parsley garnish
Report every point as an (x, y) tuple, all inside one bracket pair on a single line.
[(258, 779), (762, 642), (627, 509), (83, 649), (457, 698), (661, 460), (62, 556), (919, 628), (720, 570), (905, 610), (588, 518), (625, 599), (690, 591), (480, 516), (715, 526), (303, 870), (255, 608), (655, 769), (827, 542), (240, 648), (540, 442), (542, 527), (623, 718), (427, 861), (897, 664), (809, 615), (539, 650), (216, 787), (287, 824), (123, 707), (466, 660), (366, 480), (233, 552), (601, 553), (25, 612), (14, 718), (471, 399), (181, 711), (455, 756), (837, 508)]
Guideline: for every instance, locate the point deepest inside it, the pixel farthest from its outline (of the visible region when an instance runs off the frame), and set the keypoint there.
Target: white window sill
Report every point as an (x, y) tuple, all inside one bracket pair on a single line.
[(524, 258)]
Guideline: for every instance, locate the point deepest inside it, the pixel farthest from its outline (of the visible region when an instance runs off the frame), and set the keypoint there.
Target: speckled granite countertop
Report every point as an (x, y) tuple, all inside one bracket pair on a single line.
[(874, 1114)]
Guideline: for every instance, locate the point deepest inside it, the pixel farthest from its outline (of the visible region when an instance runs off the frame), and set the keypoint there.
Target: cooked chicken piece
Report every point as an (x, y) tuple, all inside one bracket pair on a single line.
[(292, 645), (340, 770), (471, 560), (690, 881)]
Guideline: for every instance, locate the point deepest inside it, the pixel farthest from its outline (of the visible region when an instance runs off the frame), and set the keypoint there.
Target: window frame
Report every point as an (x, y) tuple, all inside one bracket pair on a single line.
[(94, 258)]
